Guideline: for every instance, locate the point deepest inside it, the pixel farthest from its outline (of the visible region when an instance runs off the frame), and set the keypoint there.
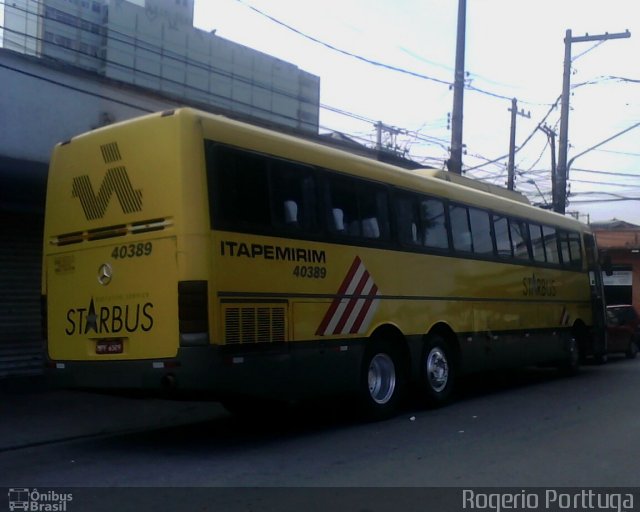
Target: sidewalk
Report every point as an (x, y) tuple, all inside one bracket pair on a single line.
[(32, 414)]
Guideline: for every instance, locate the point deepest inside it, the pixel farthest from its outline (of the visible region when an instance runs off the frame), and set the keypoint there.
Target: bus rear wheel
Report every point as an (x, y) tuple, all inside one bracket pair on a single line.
[(439, 371), (381, 382)]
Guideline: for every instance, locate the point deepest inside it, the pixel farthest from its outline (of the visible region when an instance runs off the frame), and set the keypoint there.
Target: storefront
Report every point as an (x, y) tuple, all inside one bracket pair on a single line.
[(621, 242)]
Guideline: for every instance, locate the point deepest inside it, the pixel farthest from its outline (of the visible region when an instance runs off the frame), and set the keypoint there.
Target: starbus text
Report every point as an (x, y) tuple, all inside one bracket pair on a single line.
[(110, 319), (535, 286)]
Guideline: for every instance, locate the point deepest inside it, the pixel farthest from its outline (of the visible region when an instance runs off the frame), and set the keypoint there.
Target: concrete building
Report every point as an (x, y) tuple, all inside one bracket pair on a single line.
[(621, 241), (153, 44)]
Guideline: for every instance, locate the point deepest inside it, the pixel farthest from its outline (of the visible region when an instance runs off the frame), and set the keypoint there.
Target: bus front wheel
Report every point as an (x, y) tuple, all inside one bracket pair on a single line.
[(438, 371), (381, 381)]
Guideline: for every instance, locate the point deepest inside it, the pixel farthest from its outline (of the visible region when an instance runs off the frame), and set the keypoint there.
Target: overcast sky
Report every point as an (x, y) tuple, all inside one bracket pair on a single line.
[(514, 48)]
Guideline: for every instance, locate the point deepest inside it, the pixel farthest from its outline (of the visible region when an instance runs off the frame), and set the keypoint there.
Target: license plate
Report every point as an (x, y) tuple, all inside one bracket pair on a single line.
[(109, 346)]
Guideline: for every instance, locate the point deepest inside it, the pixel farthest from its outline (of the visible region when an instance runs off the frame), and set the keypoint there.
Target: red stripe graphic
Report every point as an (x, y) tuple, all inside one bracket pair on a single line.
[(336, 301), (365, 309), (352, 303), (352, 309)]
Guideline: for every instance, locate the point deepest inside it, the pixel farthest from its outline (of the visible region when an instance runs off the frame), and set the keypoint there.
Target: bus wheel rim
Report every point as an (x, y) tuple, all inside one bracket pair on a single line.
[(437, 369), (381, 378)]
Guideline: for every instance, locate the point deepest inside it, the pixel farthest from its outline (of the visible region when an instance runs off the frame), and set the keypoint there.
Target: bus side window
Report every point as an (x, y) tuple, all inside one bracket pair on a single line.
[(563, 237), (481, 232), (551, 244), (502, 236), (519, 239), (460, 229), (576, 250), (407, 220), (373, 208), (342, 202), (238, 188), (292, 191), (433, 222), (537, 242), (356, 208)]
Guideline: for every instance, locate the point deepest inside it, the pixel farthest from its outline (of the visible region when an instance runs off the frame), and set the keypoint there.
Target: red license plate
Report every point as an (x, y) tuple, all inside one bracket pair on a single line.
[(109, 347)]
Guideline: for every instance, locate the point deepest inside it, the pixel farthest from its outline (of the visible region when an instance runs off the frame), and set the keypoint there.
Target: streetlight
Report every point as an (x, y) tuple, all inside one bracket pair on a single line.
[(615, 136)]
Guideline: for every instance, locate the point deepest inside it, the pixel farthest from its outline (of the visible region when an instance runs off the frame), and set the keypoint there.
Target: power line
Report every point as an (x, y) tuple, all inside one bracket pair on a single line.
[(371, 61), (625, 153), (608, 173), (526, 141), (132, 42), (344, 52), (624, 79), (587, 201), (604, 184)]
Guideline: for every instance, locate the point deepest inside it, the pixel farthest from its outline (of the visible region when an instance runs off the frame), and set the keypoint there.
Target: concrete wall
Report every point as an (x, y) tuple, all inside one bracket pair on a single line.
[(154, 45), (42, 105), (163, 53)]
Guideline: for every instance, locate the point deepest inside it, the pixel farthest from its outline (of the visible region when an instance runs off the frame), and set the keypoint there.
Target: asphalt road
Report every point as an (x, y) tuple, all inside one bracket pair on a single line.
[(524, 429)]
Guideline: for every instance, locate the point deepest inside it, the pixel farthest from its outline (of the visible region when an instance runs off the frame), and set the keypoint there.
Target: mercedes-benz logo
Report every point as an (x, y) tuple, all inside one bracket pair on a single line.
[(105, 273)]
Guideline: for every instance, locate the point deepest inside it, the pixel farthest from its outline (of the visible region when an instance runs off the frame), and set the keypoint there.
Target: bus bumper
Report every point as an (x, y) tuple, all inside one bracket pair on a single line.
[(212, 372)]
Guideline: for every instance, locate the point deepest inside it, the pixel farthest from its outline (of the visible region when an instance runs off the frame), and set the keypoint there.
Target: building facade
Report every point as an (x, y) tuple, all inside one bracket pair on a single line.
[(153, 44), (620, 241)]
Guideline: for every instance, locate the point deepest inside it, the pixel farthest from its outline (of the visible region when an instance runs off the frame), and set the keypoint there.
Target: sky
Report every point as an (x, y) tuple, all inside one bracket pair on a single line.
[(514, 48)]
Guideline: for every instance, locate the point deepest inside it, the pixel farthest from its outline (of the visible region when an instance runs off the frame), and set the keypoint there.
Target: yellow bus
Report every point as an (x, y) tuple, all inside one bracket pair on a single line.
[(186, 252)]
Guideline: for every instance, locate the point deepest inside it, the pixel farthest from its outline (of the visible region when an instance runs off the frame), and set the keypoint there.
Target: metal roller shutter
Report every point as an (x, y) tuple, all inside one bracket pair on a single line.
[(20, 269)]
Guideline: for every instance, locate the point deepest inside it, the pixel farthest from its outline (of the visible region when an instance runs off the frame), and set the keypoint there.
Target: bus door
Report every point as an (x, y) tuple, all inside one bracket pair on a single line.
[(598, 306)]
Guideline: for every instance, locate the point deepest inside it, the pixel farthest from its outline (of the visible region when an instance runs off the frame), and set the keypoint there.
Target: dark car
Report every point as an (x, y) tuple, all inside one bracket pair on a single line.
[(623, 328)]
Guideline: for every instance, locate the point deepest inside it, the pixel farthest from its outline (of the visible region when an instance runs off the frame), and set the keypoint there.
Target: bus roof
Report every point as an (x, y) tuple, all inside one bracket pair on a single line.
[(313, 152), (475, 184)]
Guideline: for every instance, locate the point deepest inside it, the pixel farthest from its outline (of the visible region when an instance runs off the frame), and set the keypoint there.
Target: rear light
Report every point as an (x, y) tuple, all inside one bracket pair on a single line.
[(193, 313)]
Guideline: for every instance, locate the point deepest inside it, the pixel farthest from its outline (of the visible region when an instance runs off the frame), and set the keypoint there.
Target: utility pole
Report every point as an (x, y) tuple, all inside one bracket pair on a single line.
[(392, 137), (560, 205), (551, 135), (455, 160), (512, 141)]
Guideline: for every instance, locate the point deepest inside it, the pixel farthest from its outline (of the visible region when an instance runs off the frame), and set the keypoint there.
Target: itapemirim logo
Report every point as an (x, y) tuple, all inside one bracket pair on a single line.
[(21, 498)]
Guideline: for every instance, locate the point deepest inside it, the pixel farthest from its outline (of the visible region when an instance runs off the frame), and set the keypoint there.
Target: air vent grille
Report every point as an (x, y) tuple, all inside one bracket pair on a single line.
[(255, 323)]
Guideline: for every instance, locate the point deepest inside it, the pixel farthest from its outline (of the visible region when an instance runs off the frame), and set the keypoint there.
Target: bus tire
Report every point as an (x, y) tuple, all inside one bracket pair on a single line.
[(438, 372), (381, 381)]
